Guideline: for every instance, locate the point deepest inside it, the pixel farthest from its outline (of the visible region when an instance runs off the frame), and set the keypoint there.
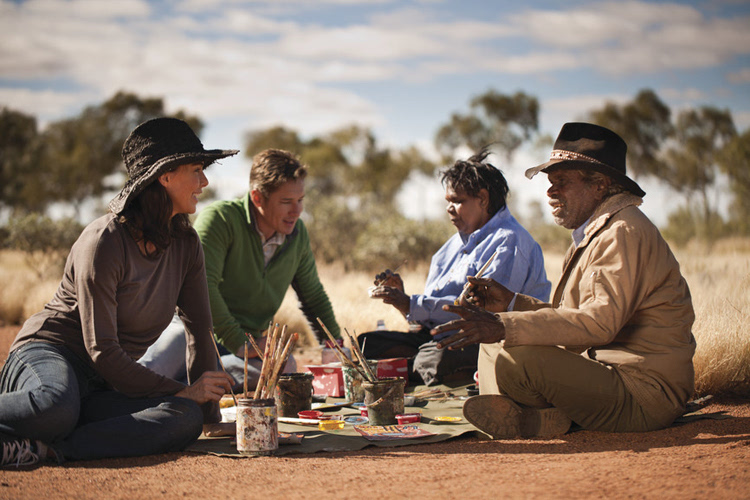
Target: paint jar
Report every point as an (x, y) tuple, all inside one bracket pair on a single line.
[(294, 393), (257, 426), (384, 400), (330, 425), (353, 390)]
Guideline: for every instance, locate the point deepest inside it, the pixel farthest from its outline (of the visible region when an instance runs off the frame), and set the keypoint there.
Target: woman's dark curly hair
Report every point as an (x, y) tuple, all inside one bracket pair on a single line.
[(472, 175), (149, 218)]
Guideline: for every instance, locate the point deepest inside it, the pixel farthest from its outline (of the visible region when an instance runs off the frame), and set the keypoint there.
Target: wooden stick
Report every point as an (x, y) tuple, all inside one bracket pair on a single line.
[(480, 273), (363, 374), (275, 357), (369, 375), (486, 264), (253, 343), (216, 346), (279, 367), (245, 380), (264, 366), (337, 348)]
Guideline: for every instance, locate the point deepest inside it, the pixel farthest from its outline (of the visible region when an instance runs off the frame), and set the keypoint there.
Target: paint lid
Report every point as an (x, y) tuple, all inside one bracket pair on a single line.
[(314, 414)]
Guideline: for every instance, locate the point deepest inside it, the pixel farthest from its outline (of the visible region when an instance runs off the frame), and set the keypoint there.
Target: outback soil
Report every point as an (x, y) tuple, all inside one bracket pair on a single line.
[(702, 459)]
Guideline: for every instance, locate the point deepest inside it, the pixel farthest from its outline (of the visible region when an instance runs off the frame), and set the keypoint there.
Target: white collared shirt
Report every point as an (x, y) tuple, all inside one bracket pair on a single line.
[(271, 244)]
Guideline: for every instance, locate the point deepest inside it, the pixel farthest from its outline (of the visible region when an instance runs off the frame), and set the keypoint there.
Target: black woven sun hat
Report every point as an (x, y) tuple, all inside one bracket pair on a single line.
[(154, 147), (592, 147)]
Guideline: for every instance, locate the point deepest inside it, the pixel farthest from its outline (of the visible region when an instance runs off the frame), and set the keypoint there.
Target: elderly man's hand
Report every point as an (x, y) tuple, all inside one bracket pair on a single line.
[(488, 294), (476, 326)]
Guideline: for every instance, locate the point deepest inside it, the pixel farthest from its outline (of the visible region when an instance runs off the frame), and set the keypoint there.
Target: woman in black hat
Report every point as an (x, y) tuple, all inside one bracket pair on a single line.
[(71, 386)]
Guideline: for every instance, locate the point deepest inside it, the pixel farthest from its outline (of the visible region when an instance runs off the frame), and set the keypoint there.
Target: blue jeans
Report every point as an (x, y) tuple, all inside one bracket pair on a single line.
[(166, 357), (49, 394)]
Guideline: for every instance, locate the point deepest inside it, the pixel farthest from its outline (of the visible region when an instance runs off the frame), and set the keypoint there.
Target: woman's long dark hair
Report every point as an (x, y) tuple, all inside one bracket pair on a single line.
[(148, 218)]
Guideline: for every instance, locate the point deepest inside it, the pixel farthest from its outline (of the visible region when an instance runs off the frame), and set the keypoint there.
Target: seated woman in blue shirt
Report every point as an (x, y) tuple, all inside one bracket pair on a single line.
[(476, 193)]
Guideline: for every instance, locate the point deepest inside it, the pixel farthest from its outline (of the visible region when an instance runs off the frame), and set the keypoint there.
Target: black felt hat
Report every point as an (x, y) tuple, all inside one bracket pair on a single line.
[(592, 147), (153, 148)]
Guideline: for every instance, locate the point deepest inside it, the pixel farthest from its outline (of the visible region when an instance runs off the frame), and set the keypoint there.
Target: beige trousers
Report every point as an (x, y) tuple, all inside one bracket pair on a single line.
[(588, 392)]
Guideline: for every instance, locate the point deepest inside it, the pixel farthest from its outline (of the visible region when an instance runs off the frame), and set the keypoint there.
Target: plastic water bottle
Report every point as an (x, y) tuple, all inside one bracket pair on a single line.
[(381, 325)]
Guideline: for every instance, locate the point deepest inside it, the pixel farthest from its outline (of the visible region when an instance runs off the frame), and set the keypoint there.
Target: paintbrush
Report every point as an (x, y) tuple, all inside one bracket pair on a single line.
[(280, 364), (216, 346), (253, 343), (364, 365), (245, 379), (266, 366), (345, 361), (480, 273)]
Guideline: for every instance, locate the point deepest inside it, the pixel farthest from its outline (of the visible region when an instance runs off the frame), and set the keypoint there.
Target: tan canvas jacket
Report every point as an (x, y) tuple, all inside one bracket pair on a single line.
[(622, 301)]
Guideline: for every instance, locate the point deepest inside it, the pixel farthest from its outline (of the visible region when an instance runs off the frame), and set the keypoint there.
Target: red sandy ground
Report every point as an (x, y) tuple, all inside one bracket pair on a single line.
[(706, 458)]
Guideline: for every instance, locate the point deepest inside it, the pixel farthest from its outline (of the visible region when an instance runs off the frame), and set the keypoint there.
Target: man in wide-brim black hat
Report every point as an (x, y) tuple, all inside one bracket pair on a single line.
[(613, 350)]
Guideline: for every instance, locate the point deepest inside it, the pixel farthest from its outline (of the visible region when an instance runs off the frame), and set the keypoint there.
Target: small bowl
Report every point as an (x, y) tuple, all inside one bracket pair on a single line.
[(354, 420), (310, 414)]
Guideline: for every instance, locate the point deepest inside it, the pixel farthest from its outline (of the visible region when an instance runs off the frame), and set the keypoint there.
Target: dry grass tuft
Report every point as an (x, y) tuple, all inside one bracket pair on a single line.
[(720, 285), (23, 293)]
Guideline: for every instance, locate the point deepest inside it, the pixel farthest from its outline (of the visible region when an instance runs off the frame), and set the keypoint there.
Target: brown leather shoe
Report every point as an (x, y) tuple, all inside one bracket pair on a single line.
[(502, 418)]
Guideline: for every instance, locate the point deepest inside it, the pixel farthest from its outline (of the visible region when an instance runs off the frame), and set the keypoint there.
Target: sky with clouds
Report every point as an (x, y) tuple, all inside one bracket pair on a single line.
[(399, 67)]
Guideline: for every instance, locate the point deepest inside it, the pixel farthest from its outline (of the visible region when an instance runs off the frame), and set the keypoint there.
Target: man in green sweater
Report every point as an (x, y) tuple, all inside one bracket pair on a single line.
[(255, 247)]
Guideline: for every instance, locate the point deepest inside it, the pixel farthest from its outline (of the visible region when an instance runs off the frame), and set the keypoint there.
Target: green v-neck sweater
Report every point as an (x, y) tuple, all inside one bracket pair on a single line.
[(245, 293)]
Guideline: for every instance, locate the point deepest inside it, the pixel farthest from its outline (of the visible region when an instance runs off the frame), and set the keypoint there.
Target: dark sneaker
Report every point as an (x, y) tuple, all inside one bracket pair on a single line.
[(22, 452), (502, 418)]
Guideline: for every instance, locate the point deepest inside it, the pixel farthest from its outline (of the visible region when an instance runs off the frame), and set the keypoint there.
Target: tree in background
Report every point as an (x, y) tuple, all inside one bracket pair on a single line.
[(644, 124), (700, 135), (19, 179), (734, 161), (683, 154), (72, 160), (502, 121)]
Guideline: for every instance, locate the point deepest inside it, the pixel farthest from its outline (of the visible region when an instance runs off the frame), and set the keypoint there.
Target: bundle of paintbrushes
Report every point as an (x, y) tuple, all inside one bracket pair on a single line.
[(361, 365), (279, 346)]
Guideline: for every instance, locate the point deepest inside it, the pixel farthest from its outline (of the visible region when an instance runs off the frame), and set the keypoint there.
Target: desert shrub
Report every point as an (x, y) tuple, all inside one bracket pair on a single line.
[(685, 225), (387, 243), (371, 237), (551, 237), (45, 243)]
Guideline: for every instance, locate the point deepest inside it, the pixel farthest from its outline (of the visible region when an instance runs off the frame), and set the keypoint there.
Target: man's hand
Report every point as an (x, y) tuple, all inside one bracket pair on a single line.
[(487, 294), (476, 326), (211, 386), (388, 278), (393, 296)]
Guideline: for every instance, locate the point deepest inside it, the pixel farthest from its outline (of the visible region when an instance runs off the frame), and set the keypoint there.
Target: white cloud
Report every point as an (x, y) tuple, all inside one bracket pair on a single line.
[(739, 77)]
